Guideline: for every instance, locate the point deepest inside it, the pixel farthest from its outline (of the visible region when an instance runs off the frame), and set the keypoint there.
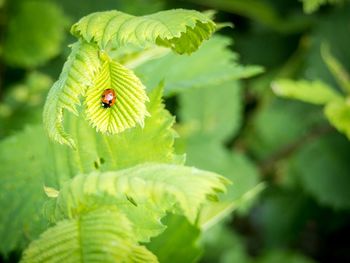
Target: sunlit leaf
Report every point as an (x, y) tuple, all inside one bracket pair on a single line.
[(104, 235), (181, 30), (77, 75), (315, 92), (159, 187), (29, 161), (129, 108)]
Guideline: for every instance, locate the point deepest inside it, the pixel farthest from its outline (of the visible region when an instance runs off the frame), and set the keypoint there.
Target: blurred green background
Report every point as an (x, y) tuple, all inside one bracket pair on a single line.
[(300, 213)]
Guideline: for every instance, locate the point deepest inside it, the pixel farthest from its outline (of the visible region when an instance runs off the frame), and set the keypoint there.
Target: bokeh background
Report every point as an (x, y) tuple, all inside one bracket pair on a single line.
[(295, 165)]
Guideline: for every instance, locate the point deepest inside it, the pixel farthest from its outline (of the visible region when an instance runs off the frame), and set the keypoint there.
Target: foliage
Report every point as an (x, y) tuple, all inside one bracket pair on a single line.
[(97, 34), (27, 43), (214, 62), (316, 172), (52, 165), (23, 102), (125, 196), (336, 108), (226, 168), (89, 239), (313, 5), (84, 205)]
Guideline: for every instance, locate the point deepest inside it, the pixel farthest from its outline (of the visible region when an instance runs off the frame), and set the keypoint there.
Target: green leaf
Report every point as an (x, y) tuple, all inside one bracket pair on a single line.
[(98, 236), (170, 245), (181, 30), (213, 64), (77, 75), (315, 92), (29, 161), (338, 114), (22, 172), (213, 111), (337, 109), (30, 39), (159, 188), (207, 122), (129, 108), (209, 155), (184, 32), (324, 176), (152, 143)]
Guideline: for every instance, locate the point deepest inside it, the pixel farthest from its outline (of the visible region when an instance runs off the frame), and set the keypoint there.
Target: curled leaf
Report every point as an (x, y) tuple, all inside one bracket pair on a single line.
[(89, 71), (77, 75), (181, 30)]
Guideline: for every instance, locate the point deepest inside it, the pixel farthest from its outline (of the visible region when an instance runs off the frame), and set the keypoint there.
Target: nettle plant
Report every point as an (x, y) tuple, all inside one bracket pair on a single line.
[(109, 186)]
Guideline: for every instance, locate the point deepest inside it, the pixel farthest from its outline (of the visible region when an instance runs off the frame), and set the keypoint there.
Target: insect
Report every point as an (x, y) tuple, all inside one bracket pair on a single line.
[(108, 98)]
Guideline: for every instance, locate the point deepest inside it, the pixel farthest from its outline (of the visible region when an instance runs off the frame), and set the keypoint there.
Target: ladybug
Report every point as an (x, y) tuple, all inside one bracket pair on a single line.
[(108, 98)]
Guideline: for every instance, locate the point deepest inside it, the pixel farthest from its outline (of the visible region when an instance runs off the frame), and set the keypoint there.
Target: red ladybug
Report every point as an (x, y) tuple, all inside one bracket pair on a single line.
[(108, 98)]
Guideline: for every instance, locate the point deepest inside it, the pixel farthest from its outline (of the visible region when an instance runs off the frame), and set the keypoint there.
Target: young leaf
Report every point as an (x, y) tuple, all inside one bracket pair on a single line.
[(25, 169), (77, 75), (315, 92), (103, 235), (152, 143), (181, 30), (160, 188), (129, 108)]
